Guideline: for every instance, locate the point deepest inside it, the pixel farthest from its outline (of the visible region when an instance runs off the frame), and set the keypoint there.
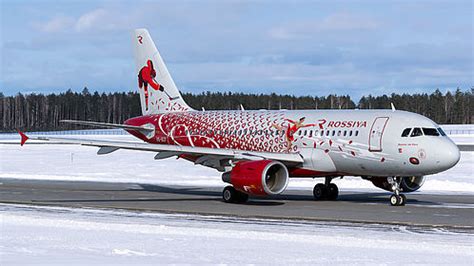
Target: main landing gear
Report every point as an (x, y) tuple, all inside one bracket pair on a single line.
[(326, 191), (396, 199), (232, 195)]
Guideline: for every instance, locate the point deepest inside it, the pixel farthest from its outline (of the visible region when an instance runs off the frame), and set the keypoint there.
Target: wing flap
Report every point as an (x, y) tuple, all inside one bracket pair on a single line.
[(166, 154), (106, 150)]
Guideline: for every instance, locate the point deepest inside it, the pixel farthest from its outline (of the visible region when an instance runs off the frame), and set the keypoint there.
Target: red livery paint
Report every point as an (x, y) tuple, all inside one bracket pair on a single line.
[(302, 172), (216, 130), (247, 176)]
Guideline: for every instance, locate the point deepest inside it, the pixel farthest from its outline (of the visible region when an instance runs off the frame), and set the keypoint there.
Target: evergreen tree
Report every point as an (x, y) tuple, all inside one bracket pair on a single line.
[(43, 112)]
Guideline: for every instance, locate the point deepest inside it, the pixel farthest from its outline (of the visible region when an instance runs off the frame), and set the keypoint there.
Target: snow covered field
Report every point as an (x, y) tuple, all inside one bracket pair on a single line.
[(53, 235), (79, 163)]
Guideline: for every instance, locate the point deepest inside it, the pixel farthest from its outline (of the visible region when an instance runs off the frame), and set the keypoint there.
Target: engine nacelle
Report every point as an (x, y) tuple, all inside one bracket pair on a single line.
[(408, 183), (263, 177)]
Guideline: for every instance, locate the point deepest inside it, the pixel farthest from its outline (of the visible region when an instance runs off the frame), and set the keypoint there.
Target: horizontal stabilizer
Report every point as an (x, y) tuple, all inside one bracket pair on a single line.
[(110, 125)]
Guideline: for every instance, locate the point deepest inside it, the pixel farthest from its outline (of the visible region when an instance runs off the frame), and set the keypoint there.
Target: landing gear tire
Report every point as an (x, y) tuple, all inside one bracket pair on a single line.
[(231, 195), (398, 200), (394, 200), (403, 200), (332, 191), (320, 192)]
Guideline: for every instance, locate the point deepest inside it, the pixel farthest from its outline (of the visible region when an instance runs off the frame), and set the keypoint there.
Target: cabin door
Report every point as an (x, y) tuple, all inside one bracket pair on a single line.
[(376, 132)]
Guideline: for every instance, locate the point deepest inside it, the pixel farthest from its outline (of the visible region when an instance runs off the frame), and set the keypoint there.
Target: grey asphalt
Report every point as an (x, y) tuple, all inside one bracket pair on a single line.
[(425, 210), (466, 147)]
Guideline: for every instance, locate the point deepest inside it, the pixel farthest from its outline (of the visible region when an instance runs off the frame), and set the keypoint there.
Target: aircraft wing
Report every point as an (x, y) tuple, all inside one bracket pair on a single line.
[(211, 157)]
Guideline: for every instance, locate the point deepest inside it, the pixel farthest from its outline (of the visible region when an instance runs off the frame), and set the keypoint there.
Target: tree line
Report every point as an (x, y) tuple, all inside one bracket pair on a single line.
[(38, 112)]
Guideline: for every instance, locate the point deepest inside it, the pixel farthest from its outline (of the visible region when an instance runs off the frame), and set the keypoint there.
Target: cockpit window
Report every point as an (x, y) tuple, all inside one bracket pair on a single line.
[(406, 132), (416, 132), (441, 132), (430, 131)]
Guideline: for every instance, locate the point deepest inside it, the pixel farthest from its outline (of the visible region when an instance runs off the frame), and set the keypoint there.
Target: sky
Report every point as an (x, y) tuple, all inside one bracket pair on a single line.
[(287, 47)]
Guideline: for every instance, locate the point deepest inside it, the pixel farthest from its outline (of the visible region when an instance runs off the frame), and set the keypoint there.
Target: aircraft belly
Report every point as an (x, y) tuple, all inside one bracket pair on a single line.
[(321, 161), (366, 163), (306, 154)]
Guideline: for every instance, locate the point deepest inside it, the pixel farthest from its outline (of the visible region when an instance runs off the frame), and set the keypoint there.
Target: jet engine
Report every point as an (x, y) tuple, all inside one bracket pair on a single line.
[(407, 184), (262, 177)]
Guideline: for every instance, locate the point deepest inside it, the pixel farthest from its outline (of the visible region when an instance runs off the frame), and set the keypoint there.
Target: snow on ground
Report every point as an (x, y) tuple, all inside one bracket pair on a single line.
[(55, 235), (79, 163)]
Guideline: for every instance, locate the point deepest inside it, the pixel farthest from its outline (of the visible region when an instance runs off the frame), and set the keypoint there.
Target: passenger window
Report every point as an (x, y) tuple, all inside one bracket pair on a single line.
[(345, 133), (416, 132), (339, 133), (430, 131), (327, 133), (310, 133), (350, 133), (406, 132), (441, 132), (356, 133), (305, 132), (333, 133)]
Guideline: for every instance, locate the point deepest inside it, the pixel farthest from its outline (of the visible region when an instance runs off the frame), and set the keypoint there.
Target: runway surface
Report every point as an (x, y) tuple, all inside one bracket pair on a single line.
[(465, 147), (444, 211)]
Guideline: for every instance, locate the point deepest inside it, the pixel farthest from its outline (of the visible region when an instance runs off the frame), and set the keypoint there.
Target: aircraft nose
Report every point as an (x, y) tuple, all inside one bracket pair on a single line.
[(448, 155)]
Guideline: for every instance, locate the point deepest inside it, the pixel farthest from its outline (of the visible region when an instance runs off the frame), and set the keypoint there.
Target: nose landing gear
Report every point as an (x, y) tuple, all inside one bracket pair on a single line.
[(327, 191), (396, 199)]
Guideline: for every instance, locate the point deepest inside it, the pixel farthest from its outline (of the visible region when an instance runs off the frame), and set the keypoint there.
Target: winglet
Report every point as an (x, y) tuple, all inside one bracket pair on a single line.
[(24, 137), (393, 107)]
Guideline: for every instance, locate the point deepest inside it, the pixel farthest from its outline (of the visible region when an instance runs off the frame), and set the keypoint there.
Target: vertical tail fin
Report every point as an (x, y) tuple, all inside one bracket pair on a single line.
[(158, 93)]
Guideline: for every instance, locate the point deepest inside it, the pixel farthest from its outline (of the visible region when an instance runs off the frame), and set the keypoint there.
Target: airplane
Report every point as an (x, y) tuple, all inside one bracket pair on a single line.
[(258, 151)]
